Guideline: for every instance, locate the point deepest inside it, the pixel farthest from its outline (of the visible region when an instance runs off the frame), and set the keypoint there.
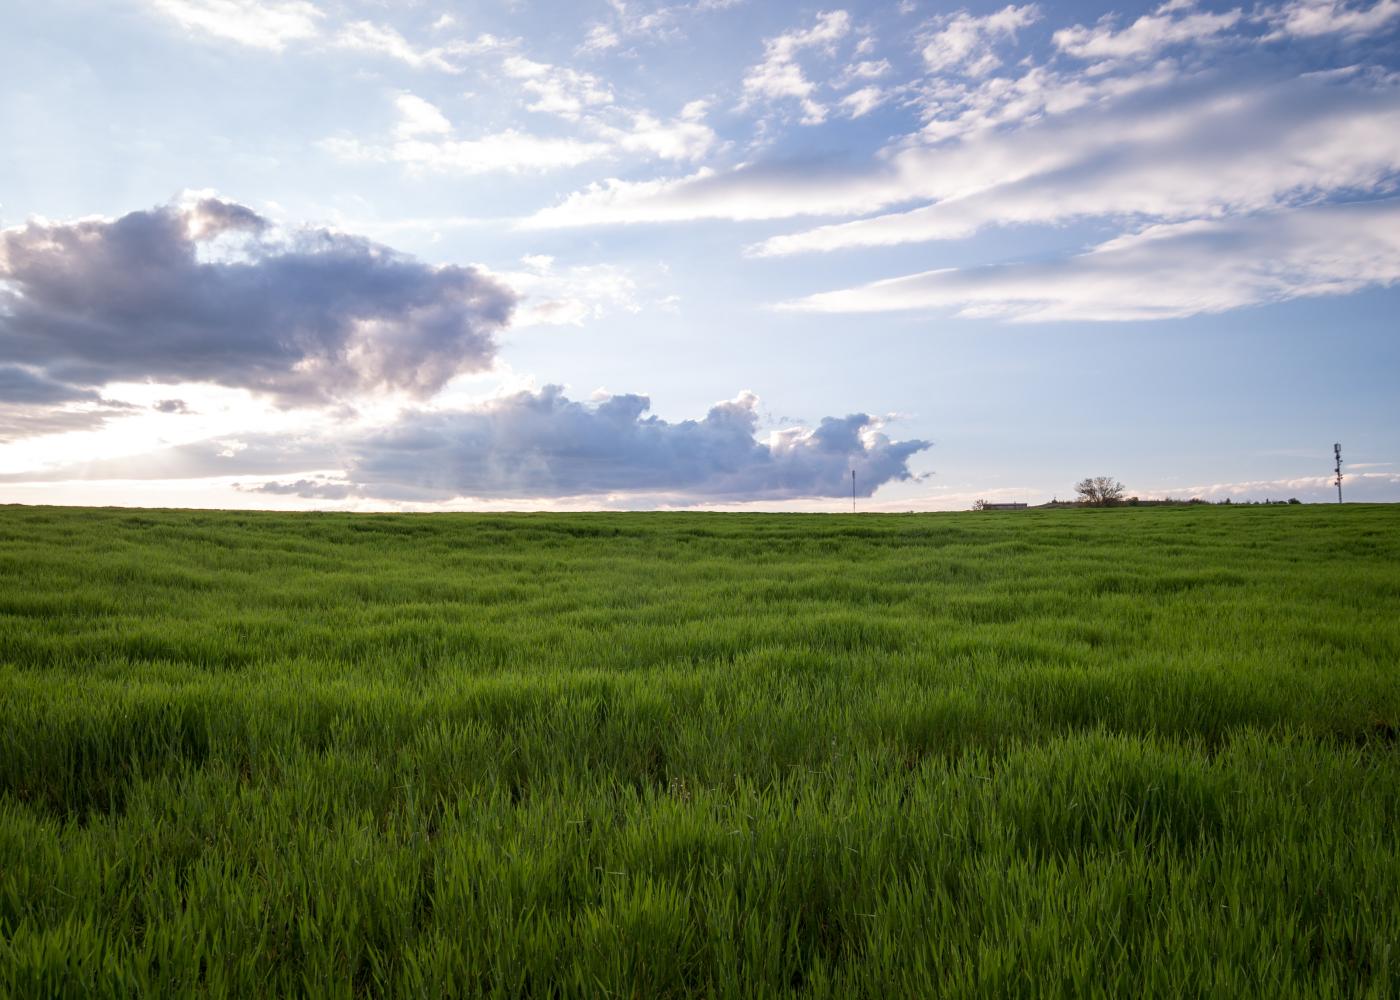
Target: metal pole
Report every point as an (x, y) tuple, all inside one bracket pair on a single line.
[(853, 491), (1337, 450)]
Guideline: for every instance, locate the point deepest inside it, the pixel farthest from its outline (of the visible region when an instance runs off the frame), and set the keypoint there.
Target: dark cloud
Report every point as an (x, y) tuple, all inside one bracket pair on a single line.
[(320, 489), (172, 406), (545, 445), (17, 422), (31, 404), (200, 293), (22, 385)]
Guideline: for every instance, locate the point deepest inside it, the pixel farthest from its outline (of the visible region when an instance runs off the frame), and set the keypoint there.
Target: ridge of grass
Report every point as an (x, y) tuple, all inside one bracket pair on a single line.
[(1049, 753)]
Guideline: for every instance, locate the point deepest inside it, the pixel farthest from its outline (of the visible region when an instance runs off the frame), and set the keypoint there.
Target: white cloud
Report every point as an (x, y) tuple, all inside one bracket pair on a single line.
[(1359, 487), (953, 108), (964, 42), (1312, 18), (683, 138), (1222, 150), (1172, 23), (419, 117), (558, 90), (381, 39), (780, 77), (508, 150), (422, 138), (863, 101), (866, 69), (1163, 272), (600, 38), (262, 24), (568, 296), (630, 21)]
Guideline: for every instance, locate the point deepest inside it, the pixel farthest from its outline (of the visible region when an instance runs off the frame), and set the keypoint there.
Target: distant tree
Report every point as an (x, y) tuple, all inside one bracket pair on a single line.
[(1099, 491), (1294, 500), (979, 505)]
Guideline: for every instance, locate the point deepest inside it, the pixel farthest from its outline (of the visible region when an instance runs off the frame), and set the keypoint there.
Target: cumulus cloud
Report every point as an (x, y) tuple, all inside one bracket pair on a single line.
[(163, 295), (262, 24), (542, 444), (1166, 271), (780, 77), (966, 43)]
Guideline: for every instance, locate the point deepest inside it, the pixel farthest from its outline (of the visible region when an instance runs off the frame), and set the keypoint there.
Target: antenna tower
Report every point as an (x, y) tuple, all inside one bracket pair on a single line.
[(853, 491), (1337, 450)]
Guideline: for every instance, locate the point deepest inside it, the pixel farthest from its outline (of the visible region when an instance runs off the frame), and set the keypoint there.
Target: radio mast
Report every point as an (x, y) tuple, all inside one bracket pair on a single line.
[(1337, 450)]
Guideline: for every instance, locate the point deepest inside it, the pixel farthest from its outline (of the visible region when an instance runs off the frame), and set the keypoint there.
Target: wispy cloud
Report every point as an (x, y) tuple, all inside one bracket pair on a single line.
[(385, 40), (261, 24), (1198, 152), (1173, 23), (1166, 271)]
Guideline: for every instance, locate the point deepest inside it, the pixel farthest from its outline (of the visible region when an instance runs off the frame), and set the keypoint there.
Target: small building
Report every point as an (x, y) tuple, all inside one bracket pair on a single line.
[(1003, 506)]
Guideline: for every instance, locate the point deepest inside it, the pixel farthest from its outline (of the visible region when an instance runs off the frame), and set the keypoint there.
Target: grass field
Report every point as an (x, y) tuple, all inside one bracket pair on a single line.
[(1113, 753)]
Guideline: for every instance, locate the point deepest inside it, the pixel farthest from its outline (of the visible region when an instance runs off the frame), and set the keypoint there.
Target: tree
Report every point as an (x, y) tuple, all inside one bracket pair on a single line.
[(1099, 491), (979, 505)]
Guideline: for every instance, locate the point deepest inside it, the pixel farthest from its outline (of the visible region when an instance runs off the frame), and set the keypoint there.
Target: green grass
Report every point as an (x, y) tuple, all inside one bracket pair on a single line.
[(1072, 753)]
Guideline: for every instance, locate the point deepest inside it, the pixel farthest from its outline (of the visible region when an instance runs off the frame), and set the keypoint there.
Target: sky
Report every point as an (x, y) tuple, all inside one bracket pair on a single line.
[(709, 254)]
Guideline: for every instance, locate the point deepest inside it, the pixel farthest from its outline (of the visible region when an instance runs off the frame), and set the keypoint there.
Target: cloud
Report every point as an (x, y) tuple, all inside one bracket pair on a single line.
[(551, 295), (558, 90), (1163, 272), (953, 108), (319, 489), (201, 292), (859, 103), (964, 42), (27, 385), (1314, 18), (507, 151), (755, 191), (600, 38), (419, 117), (1215, 150), (652, 24), (779, 76), (32, 404), (1375, 487), (422, 138), (542, 444), (381, 39), (1173, 23), (262, 24)]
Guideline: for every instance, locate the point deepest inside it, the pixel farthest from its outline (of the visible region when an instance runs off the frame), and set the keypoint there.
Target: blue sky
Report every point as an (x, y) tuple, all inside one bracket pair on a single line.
[(305, 253)]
